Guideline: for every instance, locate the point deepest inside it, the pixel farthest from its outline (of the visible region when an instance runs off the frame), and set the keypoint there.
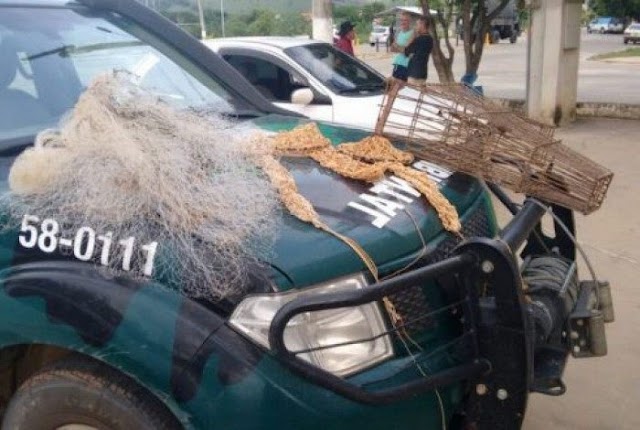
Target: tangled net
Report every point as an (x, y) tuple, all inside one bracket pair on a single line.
[(128, 164), (367, 160)]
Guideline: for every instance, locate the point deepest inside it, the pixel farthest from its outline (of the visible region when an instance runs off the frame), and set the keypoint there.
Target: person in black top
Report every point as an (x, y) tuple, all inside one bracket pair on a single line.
[(418, 51)]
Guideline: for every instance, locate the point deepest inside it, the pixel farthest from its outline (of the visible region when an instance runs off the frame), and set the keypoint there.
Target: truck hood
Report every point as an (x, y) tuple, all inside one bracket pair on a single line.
[(387, 219)]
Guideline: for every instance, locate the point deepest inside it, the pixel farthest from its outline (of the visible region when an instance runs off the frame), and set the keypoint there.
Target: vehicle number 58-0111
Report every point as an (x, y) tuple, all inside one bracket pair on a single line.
[(46, 235)]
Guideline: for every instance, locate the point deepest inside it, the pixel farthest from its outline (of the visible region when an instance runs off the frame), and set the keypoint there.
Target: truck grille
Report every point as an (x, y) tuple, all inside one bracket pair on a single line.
[(412, 303)]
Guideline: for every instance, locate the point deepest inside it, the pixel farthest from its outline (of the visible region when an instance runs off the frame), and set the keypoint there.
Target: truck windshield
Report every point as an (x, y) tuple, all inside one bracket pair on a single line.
[(339, 72), (48, 56)]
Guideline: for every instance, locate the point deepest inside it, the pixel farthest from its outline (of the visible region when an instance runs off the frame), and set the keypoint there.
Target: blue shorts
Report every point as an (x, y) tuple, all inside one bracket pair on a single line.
[(400, 72)]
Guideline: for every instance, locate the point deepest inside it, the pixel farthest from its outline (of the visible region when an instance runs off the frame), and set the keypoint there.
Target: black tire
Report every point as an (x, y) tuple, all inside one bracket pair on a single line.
[(513, 38), (626, 41), (495, 37), (81, 391)]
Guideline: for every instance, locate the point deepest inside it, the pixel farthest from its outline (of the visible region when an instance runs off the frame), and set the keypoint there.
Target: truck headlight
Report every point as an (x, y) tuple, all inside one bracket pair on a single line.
[(310, 330)]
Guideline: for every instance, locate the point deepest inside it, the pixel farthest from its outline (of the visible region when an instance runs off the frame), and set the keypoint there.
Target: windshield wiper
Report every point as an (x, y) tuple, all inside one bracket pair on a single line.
[(60, 50), (67, 50), (246, 113)]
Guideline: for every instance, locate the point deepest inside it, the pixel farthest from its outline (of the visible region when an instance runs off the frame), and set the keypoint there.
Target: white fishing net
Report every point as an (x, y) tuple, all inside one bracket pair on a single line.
[(127, 164)]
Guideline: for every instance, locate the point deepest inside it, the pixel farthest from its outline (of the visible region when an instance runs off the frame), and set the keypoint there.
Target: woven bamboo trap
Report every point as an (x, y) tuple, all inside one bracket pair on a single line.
[(455, 127)]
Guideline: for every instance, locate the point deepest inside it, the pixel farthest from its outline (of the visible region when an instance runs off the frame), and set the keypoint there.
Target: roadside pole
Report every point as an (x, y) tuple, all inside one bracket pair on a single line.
[(203, 29), (222, 17), (322, 20)]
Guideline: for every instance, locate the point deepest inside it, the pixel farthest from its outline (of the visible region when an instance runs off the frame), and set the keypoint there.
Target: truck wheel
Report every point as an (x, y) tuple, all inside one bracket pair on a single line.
[(495, 37), (626, 41), (513, 38), (80, 394)]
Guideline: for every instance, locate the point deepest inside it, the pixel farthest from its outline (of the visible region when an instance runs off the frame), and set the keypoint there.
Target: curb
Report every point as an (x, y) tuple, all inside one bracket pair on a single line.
[(586, 109)]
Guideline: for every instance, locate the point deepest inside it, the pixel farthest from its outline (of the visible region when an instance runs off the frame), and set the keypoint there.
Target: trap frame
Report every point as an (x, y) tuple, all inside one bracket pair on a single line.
[(452, 125)]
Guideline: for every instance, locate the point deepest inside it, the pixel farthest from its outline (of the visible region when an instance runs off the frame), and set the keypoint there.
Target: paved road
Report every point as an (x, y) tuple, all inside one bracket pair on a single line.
[(604, 393), (503, 70)]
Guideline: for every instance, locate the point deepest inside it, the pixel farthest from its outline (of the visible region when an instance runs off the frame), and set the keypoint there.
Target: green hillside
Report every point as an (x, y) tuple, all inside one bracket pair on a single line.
[(245, 6), (242, 6), (278, 6)]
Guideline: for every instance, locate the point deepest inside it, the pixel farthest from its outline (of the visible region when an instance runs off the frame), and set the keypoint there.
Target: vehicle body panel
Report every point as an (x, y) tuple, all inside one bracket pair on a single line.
[(379, 34), (632, 33), (206, 373), (606, 24)]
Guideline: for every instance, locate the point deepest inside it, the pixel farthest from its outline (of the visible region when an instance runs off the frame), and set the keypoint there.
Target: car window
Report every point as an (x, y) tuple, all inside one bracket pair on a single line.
[(275, 82), (48, 56), (634, 27), (338, 71)]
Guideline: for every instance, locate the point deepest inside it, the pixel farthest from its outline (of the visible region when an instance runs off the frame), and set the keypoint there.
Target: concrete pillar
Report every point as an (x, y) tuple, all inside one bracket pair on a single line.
[(553, 59), (322, 20)]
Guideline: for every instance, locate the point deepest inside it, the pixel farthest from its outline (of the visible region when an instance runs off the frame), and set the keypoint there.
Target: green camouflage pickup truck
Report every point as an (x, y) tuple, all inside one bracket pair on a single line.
[(487, 318)]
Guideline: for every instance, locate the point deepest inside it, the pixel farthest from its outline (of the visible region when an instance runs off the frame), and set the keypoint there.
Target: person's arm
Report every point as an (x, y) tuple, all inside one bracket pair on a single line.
[(417, 45), (429, 44), (411, 47)]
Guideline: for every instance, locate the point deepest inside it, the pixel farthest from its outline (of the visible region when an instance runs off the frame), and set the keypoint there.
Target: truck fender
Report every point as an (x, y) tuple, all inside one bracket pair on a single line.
[(151, 333)]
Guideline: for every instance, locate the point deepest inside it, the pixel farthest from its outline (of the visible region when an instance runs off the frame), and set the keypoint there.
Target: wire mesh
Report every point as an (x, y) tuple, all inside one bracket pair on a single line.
[(454, 126)]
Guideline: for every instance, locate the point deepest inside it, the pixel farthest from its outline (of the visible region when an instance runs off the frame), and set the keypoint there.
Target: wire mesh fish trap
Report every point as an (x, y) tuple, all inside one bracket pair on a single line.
[(454, 126)]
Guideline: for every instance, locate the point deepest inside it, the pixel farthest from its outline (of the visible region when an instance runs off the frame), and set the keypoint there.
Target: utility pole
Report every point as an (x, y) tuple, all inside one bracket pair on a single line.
[(322, 20), (222, 16), (203, 29)]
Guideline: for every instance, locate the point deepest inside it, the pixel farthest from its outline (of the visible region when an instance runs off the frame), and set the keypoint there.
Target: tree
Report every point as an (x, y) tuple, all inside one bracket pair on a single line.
[(439, 28), (476, 23), (263, 24), (616, 8), (370, 10), (361, 17), (477, 16)]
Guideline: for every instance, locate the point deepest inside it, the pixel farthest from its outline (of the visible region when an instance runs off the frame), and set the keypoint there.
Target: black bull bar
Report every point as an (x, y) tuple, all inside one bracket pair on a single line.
[(476, 262)]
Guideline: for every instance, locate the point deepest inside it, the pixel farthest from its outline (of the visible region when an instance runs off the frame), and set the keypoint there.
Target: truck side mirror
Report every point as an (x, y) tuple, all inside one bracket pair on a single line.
[(302, 96)]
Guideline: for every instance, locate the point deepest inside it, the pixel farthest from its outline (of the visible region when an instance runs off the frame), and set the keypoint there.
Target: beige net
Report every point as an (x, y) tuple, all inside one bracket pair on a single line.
[(127, 165)]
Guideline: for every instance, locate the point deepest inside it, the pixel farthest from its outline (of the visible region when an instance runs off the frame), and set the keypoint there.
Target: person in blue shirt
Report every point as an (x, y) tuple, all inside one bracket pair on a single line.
[(403, 38)]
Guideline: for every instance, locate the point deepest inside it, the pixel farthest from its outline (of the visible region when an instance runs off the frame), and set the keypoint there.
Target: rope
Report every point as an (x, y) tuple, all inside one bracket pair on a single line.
[(302, 208), (367, 160)]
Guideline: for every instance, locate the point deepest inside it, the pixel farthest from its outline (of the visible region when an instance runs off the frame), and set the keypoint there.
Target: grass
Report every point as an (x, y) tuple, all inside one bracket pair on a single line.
[(629, 52)]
